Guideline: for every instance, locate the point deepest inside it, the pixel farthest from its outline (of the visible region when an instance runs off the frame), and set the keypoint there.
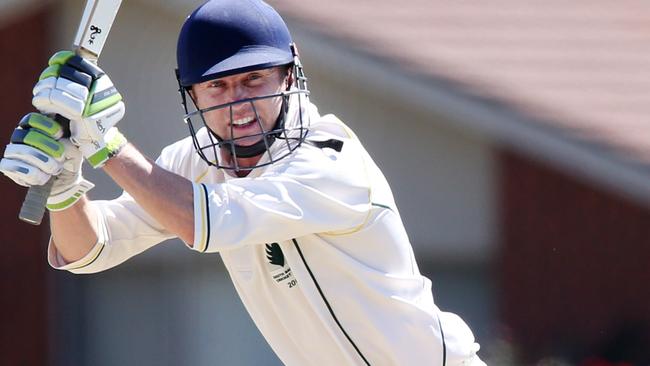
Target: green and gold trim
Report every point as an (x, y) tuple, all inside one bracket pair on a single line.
[(89, 259)]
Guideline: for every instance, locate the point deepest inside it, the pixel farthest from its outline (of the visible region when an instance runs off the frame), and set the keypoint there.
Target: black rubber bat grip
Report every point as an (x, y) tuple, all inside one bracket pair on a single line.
[(33, 207)]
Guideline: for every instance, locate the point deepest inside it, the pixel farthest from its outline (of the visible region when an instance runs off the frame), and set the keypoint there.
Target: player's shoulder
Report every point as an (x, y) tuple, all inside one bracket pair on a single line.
[(332, 129), (180, 145), (178, 155), (177, 149), (330, 126), (330, 152)]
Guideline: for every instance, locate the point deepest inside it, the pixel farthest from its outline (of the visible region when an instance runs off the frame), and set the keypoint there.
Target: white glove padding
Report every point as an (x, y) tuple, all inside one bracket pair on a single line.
[(28, 166), (80, 91), (36, 153)]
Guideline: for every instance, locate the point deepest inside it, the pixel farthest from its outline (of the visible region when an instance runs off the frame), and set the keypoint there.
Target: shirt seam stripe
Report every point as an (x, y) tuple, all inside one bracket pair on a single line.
[(358, 228), (202, 218), (331, 311), (382, 206), (444, 344), (91, 261), (206, 226)]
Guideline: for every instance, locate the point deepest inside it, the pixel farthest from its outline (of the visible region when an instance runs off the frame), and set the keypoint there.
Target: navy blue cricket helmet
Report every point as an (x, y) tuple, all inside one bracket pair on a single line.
[(227, 37)]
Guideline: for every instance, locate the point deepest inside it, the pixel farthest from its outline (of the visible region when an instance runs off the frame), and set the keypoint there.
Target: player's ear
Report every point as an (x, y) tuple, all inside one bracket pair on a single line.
[(288, 77)]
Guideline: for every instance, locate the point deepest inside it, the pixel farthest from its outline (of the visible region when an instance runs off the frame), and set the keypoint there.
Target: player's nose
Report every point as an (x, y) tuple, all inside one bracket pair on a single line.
[(242, 109), (236, 93)]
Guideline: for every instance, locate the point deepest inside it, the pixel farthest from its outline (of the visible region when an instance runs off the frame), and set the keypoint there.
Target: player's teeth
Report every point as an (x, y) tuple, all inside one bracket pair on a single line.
[(242, 121)]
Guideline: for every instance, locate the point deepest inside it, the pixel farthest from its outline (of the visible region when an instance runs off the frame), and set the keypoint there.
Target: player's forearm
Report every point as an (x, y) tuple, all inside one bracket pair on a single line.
[(166, 196), (73, 230)]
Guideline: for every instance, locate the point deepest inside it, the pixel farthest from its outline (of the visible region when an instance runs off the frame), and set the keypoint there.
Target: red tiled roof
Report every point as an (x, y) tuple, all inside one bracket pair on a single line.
[(582, 65)]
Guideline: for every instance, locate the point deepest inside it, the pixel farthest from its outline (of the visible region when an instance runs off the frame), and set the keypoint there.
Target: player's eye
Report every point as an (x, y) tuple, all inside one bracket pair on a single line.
[(254, 78), (215, 84)]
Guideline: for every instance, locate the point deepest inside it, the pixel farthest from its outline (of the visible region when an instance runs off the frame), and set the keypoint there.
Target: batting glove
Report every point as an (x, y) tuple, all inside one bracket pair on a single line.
[(37, 153), (80, 91)]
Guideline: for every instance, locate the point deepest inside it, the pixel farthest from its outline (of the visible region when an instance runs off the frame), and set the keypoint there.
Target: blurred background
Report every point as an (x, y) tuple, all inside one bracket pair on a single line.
[(515, 135)]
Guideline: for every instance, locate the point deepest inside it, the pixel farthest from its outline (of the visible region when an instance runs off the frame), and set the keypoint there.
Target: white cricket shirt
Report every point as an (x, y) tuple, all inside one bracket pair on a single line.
[(316, 250)]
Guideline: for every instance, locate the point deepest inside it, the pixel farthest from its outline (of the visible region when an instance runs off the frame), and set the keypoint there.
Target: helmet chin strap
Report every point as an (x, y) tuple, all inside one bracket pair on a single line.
[(256, 149)]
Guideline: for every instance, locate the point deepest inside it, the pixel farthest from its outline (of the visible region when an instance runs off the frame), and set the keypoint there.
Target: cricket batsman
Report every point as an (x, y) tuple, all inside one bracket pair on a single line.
[(302, 217)]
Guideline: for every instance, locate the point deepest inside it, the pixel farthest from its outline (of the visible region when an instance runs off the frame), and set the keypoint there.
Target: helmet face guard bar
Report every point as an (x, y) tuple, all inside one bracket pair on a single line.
[(292, 137), (230, 150)]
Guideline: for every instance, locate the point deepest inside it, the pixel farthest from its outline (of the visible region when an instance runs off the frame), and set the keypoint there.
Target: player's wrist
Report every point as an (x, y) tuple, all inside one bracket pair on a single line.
[(97, 153)]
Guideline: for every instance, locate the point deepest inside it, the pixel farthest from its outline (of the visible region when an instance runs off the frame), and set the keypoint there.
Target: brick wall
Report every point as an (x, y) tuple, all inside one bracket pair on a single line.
[(23, 304), (575, 270)]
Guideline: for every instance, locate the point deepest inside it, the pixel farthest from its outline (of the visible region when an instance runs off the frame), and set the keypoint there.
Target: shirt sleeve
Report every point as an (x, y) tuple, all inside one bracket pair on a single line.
[(124, 230), (312, 191)]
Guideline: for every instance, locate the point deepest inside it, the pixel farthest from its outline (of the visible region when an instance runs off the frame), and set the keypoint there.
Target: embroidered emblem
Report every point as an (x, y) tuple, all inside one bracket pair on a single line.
[(277, 266)]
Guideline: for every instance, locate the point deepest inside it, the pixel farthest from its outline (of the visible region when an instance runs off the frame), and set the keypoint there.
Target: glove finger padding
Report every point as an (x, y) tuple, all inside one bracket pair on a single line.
[(34, 153), (41, 132), (37, 153), (80, 91), (56, 96), (42, 123), (23, 173), (73, 87), (33, 157), (63, 88)]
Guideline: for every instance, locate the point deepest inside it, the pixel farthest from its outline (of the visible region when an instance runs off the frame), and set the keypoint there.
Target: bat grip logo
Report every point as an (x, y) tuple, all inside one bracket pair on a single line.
[(94, 30)]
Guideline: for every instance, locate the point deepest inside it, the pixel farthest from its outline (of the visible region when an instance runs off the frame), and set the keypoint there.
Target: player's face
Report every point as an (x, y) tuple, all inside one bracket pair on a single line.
[(245, 121)]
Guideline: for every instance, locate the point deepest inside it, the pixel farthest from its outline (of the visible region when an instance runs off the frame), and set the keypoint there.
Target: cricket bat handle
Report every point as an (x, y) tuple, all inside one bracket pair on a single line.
[(33, 207), (96, 22)]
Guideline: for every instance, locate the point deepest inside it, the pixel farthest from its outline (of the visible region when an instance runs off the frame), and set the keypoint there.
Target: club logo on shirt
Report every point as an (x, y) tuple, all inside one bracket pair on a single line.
[(274, 254), (278, 269)]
